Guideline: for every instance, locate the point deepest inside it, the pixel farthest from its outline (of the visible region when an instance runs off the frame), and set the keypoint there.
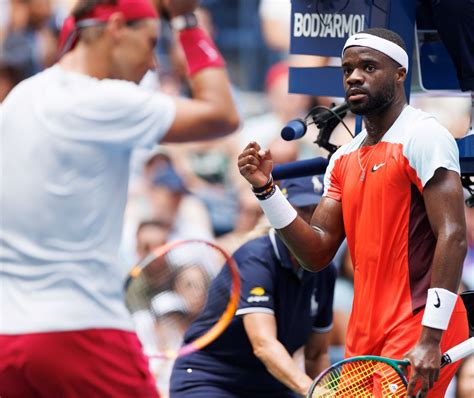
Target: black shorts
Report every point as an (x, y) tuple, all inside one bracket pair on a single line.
[(454, 20)]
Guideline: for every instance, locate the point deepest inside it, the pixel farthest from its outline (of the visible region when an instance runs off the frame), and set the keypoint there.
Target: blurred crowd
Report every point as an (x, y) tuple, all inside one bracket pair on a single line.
[(193, 190)]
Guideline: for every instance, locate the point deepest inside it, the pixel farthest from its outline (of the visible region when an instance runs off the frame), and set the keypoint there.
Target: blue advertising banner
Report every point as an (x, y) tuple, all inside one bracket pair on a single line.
[(320, 27)]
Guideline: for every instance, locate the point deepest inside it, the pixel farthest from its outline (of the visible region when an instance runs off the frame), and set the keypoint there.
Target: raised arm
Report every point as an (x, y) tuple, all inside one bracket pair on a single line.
[(313, 245), (211, 112), (443, 200)]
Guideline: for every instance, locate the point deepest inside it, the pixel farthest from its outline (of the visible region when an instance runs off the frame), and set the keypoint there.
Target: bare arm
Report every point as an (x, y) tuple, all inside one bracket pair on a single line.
[(444, 203), (316, 244), (313, 245), (211, 113), (262, 332), (443, 200), (316, 354)]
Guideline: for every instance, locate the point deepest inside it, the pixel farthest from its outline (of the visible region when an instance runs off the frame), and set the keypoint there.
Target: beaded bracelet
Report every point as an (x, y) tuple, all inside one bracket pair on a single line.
[(265, 191)]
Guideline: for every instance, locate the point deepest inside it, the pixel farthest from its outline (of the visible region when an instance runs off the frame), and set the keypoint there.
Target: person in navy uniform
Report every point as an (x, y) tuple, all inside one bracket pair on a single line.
[(282, 308)]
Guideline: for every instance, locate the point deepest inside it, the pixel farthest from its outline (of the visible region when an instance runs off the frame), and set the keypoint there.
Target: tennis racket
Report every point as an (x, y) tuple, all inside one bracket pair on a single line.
[(169, 288), (373, 376)]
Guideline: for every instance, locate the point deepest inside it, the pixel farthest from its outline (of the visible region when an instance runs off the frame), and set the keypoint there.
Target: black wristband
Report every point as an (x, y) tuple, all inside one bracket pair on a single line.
[(266, 194), (264, 188)]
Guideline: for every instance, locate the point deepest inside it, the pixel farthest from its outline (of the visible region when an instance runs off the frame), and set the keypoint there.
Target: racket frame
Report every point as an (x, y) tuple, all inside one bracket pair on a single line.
[(225, 318), (452, 355), (397, 366)]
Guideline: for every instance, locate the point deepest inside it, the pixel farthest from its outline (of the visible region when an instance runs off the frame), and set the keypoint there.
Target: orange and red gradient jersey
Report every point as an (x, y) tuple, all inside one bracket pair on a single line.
[(386, 224)]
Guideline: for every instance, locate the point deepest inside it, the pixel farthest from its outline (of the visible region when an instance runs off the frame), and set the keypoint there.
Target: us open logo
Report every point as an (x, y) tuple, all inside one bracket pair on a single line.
[(257, 295)]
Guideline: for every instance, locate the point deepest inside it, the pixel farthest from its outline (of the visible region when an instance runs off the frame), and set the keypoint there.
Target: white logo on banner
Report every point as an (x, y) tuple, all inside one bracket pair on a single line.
[(327, 25)]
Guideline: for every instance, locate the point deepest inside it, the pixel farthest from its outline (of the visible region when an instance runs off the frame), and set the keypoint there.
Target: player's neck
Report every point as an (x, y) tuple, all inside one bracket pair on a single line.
[(378, 124), (87, 60)]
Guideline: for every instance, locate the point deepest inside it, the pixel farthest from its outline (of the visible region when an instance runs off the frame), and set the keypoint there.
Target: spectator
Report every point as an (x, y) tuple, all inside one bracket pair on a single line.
[(282, 307), (150, 235)]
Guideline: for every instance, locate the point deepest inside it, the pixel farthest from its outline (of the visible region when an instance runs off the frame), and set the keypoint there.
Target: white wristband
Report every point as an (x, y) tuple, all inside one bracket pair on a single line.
[(278, 210), (439, 307)]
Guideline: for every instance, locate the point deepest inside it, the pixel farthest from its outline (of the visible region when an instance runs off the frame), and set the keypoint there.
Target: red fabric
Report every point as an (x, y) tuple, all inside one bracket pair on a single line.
[(131, 9), (278, 70), (90, 363), (200, 51), (404, 337), (399, 339), (66, 33)]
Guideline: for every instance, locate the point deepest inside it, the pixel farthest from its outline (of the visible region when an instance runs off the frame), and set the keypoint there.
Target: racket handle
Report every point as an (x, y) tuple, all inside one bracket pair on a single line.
[(458, 352)]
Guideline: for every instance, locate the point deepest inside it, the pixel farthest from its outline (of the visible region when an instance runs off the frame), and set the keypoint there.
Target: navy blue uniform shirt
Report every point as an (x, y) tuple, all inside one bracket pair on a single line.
[(301, 302)]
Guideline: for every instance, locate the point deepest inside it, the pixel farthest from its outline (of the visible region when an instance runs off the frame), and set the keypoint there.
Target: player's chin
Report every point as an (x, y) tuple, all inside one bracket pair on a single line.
[(358, 107)]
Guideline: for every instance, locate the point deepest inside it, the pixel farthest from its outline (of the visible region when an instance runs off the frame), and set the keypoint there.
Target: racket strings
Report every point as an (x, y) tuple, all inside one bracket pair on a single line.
[(363, 378), (172, 290)]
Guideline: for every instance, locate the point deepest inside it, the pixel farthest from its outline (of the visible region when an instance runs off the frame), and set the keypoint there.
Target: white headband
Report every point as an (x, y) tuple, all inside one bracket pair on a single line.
[(387, 47)]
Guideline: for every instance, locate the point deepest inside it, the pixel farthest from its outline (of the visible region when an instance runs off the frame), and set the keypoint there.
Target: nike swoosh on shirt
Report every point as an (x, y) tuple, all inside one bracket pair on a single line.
[(377, 166)]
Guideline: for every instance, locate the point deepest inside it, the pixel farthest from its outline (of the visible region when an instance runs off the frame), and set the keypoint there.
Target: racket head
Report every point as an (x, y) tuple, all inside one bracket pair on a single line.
[(169, 288), (362, 376)]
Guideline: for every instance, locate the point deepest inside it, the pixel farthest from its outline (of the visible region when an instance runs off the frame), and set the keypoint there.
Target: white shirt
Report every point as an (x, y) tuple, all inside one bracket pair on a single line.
[(279, 10), (66, 140)]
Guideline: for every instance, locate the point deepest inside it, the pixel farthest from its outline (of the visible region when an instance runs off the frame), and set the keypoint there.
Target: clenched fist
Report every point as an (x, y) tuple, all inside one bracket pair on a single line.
[(255, 165)]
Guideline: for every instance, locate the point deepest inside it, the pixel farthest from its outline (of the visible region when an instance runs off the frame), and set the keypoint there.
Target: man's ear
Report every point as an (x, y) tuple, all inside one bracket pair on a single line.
[(115, 25), (401, 74)]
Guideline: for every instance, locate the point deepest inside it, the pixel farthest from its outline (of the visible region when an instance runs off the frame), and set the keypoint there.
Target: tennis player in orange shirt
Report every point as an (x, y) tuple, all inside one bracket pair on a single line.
[(394, 191)]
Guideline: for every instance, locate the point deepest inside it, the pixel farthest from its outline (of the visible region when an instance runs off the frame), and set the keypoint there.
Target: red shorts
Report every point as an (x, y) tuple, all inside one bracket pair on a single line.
[(90, 363), (403, 338)]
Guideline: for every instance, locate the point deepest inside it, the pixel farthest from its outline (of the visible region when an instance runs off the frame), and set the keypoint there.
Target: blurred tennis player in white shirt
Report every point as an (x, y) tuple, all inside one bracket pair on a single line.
[(67, 135)]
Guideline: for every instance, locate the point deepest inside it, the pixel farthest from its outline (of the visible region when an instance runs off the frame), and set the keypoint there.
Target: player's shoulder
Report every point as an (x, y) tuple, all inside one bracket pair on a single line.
[(416, 125), (349, 147), (82, 90)]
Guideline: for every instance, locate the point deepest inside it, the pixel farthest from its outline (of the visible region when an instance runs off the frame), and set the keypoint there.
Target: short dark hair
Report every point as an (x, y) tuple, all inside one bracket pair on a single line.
[(386, 34), (84, 7)]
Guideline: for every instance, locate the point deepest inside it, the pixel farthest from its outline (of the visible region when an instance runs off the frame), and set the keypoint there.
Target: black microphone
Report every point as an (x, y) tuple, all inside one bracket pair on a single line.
[(296, 128), (338, 111)]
